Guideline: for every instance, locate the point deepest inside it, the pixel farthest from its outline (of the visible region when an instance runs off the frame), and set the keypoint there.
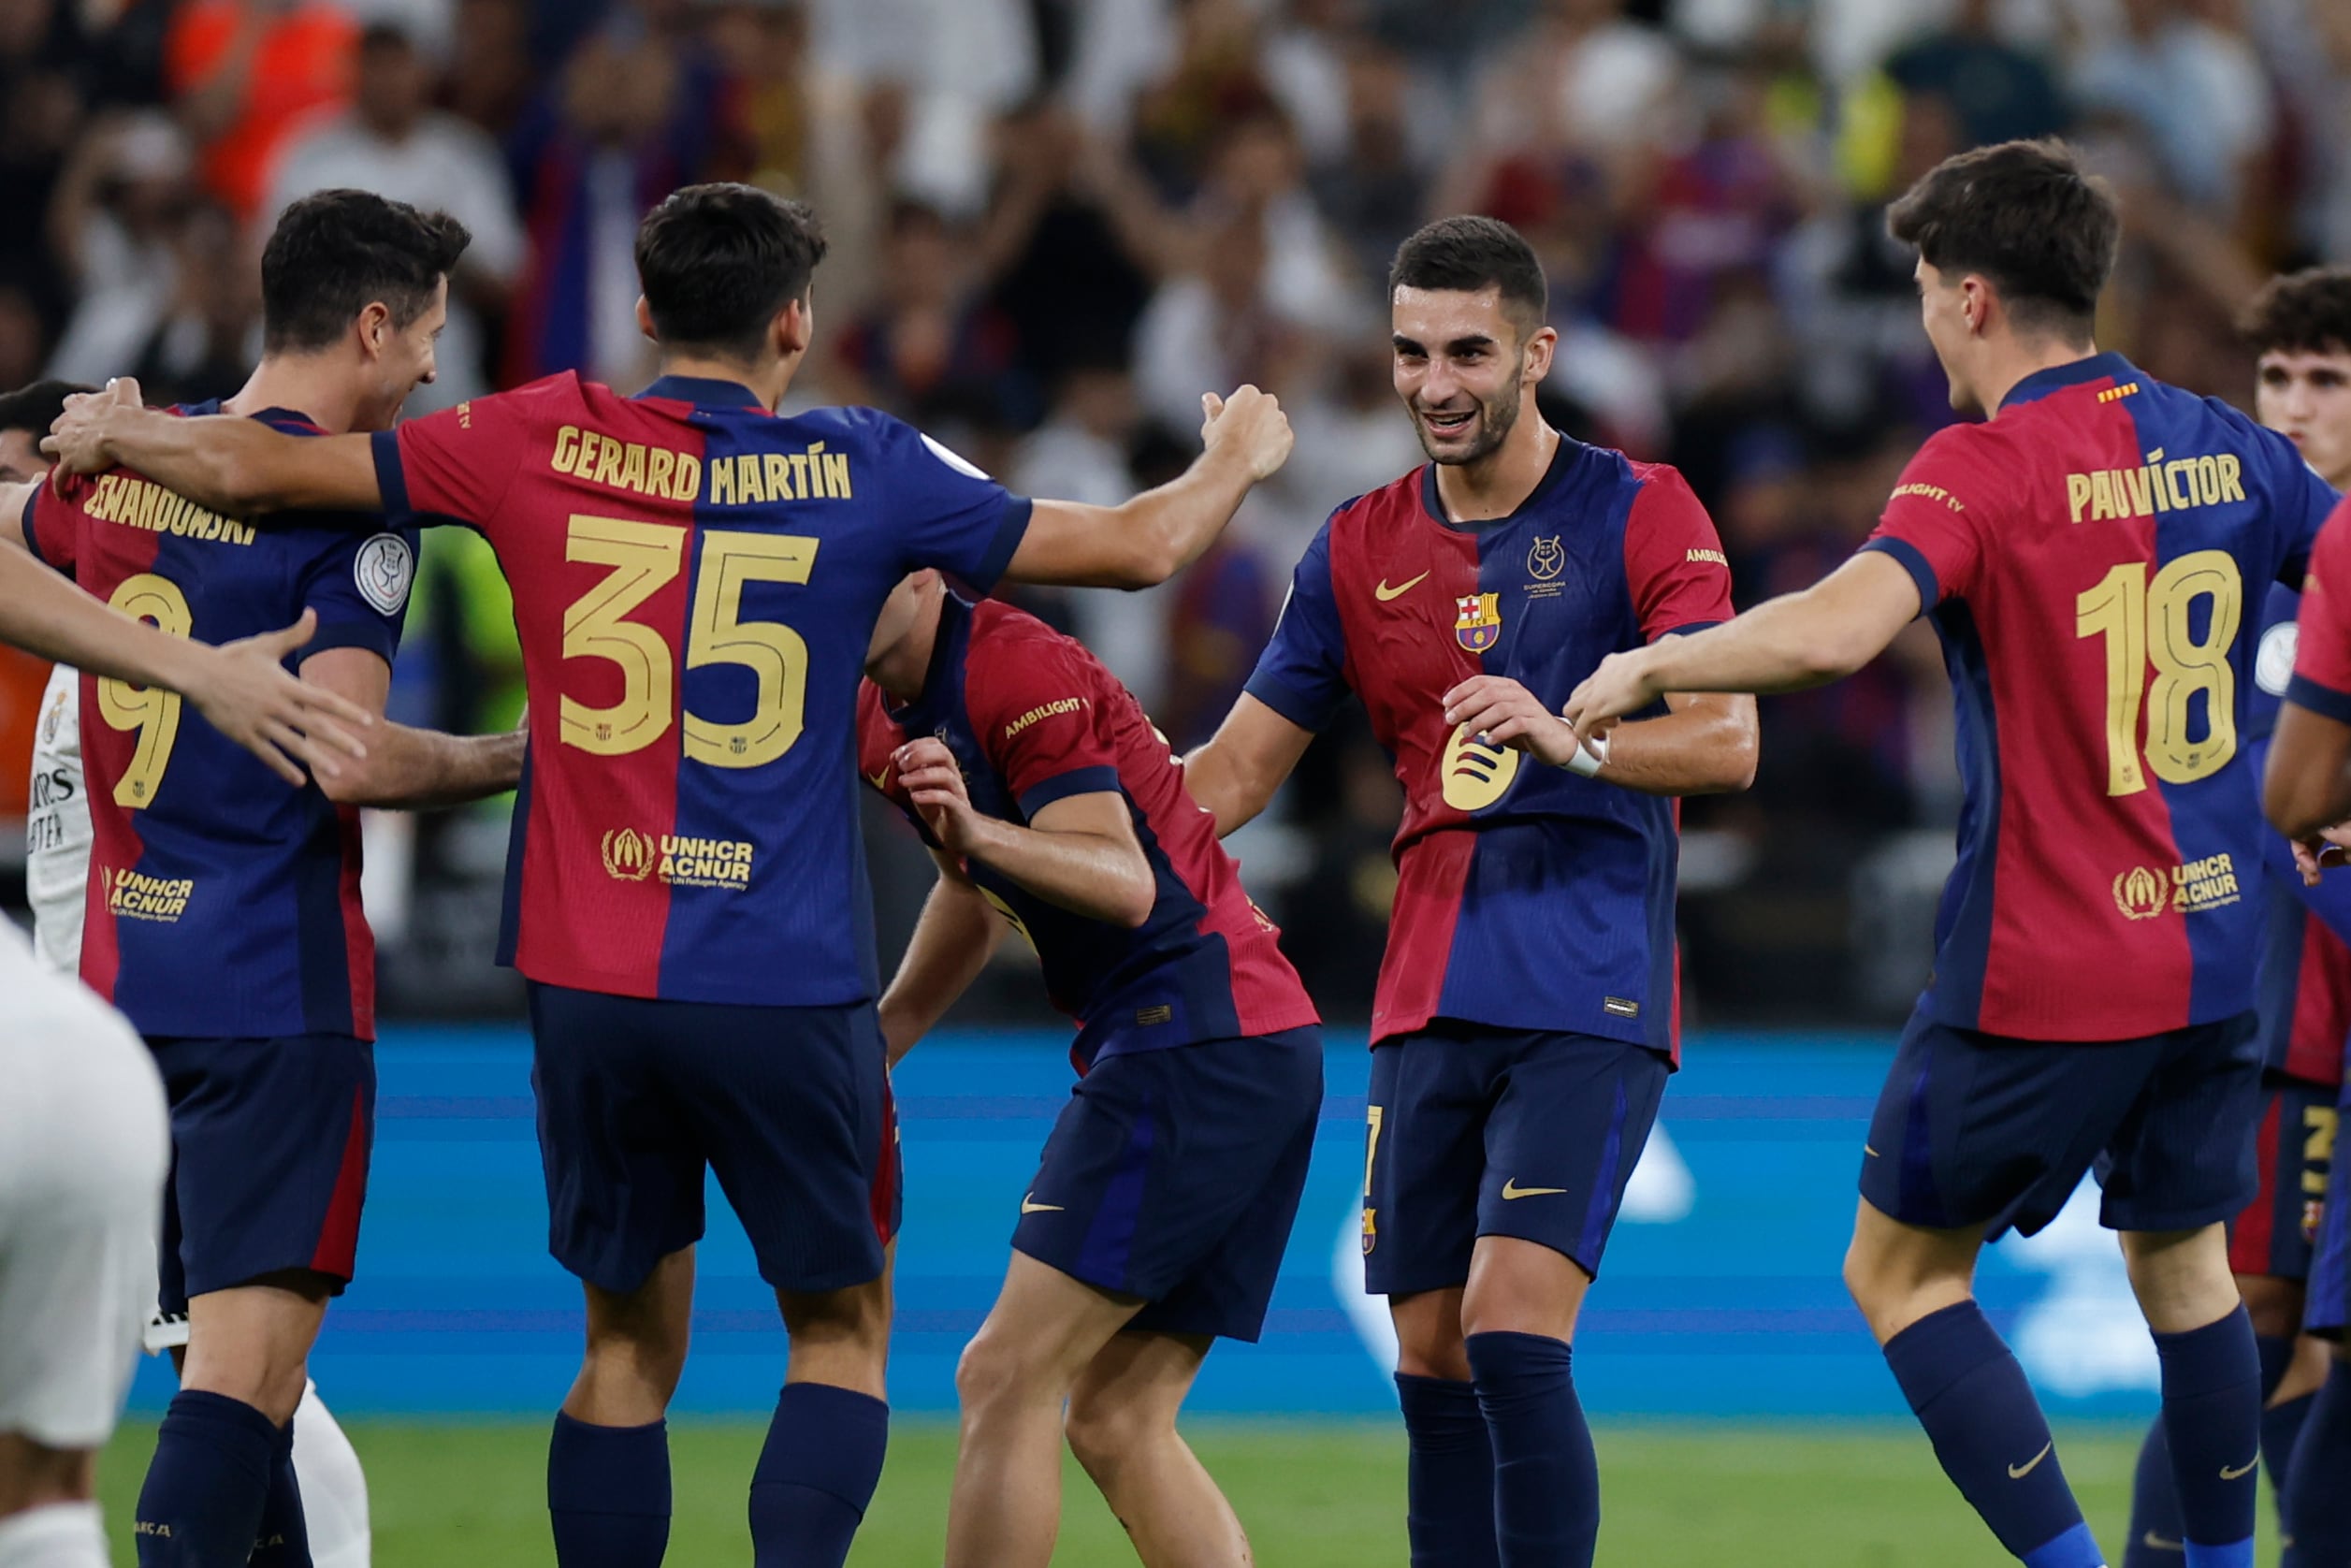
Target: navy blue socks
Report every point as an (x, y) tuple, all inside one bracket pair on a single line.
[(2211, 1417), (283, 1540), (1989, 1432), (816, 1475), (1450, 1476), (608, 1494), (2317, 1500), (2155, 1539), (1546, 1484), (201, 1505)]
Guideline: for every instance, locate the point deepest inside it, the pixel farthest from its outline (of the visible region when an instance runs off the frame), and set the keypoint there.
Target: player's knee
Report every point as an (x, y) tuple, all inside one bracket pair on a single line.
[(991, 1370), (1105, 1432)]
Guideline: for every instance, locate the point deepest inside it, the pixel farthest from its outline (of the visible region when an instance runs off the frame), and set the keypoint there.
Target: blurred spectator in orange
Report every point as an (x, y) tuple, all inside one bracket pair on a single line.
[(393, 142), (245, 73)]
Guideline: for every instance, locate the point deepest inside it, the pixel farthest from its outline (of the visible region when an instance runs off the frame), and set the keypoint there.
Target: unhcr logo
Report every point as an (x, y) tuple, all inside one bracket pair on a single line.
[(627, 854), (2140, 893)]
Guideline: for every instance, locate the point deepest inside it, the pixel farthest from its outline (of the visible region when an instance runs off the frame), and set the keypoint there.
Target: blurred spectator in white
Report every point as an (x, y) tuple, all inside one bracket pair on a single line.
[(1582, 76), (1352, 436), (636, 113), (1306, 57), (1215, 328), (960, 64), (1374, 190), (1210, 80), (208, 336), (2186, 77), (393, 142), (2307, 47), (244, 74), (2001, 93), (113, 222)]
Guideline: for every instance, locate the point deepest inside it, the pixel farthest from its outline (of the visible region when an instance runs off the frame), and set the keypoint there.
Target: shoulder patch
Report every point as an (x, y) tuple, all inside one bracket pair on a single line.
[(952, 458), (2274, 665), (384, 569)]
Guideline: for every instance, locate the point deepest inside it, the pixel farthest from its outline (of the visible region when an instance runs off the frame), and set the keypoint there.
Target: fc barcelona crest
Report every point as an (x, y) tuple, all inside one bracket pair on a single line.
[(1479, 626)]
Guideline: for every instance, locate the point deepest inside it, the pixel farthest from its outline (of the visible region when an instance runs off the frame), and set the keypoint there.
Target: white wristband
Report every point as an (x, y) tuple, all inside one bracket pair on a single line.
[(1590, 756)]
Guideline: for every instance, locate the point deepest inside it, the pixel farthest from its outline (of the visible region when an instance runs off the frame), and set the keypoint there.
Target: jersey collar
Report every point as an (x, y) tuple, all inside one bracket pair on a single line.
[(2098, 367), (703, 392), (1562, 459), (929, 710)]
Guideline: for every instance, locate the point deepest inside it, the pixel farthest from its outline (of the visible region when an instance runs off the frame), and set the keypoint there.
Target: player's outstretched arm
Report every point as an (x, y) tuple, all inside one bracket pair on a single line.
[(241, 687), (951, 943), (1245, 438), (1233, 775), (408, 769), (223, 461), (1798, 640), (1704, 746), (1079, 851)]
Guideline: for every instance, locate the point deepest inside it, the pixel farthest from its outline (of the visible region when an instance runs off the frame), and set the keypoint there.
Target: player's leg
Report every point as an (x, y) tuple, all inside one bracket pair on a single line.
[(792, 1108), (1971, 1134), (2180, 1165), (272, 1140), (1122, 1427), (1561, 1143), (333, 1490), (82, 1153), (1424, 1156), (1004, 1508), (2315, 1496), (624, 1179), (1244, 1113)]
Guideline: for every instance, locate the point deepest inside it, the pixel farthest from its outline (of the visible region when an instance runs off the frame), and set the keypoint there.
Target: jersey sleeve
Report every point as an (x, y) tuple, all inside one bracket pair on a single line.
[(2299, 501), (359, 584), (1932, 521), (1302, 673), (2322, 657), (1673, 558), (950, 513), (458, 463), (1040, 712), (53, 525)]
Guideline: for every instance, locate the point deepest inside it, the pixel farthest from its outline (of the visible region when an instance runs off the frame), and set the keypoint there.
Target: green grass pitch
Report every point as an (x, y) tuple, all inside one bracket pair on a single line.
[(1312, 1495)]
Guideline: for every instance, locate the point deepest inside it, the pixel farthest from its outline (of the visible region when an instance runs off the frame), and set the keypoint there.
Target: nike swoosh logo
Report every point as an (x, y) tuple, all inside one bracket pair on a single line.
[(1387, 593), (1871, 1152), (881, 780), (2241, 1471), (1030, 1206), (2156, 1543), (2018, 1472), (1510, 1189)]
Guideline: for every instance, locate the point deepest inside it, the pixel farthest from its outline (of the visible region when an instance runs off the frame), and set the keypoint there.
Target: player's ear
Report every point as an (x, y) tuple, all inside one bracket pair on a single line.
[(645, 320), (1541, 347), (794, 328), (375, 328)]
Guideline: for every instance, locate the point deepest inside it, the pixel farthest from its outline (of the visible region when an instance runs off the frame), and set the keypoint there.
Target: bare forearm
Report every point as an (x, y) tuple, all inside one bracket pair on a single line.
[(1182, 519), (1216, 777), (2307, 785), (1084, 873), (410, 769), (237, 465), (951, 945), (43, 614), (1781, 645), (1703, 749)]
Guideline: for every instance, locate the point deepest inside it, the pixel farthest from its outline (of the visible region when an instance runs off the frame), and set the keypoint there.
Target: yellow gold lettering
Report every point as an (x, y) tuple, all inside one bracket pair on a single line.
[(608, 462), (633, 469), (778, 476), (2231, 470), (567, 448), (659, 469), (688, 485), (722, 483), (748, 487), (800, 475), (2077, 493), (836, 475)]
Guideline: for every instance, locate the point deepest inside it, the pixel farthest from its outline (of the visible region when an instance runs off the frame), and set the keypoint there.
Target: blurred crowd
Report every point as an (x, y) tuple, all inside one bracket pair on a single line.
[(1054, 223)]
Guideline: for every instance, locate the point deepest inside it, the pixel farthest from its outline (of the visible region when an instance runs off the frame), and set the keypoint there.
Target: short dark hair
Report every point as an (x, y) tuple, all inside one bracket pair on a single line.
[(335, 252), (2302, 313), (35, 407), (719, 261), (2024, 215), (1469, 254)]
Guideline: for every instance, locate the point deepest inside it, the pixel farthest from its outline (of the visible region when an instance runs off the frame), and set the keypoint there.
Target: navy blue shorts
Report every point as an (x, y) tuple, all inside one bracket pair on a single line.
[(2292, 1150), (269, 1146), (1174, 1175), (789, 1105), (2327, 1298), (1497, 1132), (1985, 1129)]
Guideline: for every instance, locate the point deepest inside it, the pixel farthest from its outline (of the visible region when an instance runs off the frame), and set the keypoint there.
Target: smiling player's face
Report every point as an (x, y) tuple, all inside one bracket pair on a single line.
[(2306, 397), (1461, 368)]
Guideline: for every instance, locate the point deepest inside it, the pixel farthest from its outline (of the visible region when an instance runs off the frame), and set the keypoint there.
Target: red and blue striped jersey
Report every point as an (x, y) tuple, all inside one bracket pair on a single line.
[(2302, 983), (695, 581), (1033, 717), (1527, 897), (223, 901), (2094, 559)]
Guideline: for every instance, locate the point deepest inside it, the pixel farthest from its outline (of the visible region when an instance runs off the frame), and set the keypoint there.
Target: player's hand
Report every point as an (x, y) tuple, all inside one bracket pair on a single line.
[(2322, 851), (1501, 712), (1251, 424), (935, 783), (244, 689), (1622, 685), (77, 439)]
